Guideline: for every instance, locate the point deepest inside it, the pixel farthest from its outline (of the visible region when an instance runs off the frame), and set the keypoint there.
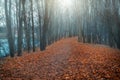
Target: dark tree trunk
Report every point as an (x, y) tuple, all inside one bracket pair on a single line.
[(9, 28), (20, 31), (33, 36), (44, 28)]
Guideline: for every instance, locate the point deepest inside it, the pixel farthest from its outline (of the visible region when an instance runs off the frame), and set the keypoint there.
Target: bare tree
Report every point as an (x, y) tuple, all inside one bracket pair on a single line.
[(9, 28), (45, 27), (20, 28), (33, 36)]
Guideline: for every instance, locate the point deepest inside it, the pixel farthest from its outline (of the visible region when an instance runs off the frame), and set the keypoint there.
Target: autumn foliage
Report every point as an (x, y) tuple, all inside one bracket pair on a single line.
[(64, 60)]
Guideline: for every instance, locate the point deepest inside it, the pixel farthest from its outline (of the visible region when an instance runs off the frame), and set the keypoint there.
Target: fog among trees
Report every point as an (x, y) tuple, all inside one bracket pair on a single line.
[(26, 25)]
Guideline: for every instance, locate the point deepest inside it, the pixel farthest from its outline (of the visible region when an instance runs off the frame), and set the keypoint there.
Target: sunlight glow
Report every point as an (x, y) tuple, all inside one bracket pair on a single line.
[(65, 3)]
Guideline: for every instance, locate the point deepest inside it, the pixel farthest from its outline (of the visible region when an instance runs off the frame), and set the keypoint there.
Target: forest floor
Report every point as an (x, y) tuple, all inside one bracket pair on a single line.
[(65, 60)]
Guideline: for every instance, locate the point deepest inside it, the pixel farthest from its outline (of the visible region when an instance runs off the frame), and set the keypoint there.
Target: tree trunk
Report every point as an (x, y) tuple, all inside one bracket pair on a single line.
[(9, 28), (20, 31), (33, 36), (44, 28)]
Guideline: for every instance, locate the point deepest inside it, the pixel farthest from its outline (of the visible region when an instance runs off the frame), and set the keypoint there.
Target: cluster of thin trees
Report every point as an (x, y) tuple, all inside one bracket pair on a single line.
[(91, 20), (25, 24), (100, 22)]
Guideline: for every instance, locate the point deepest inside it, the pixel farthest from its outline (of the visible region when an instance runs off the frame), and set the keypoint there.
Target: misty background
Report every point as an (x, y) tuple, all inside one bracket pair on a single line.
[(26, 25)]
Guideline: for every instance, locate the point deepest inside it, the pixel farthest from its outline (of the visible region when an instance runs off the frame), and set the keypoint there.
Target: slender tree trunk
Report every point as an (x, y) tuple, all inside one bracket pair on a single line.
[(39, 20), (33, 36), (44, 28), (28, 34), (20, 31), (9, 28)]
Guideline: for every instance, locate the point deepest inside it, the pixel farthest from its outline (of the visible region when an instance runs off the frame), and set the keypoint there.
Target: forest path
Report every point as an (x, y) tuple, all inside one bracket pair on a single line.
[(65, 60), (56, 63)]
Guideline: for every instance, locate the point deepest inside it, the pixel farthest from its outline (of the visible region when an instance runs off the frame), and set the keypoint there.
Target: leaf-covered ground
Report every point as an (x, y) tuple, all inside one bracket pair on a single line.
[(65, 60)]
